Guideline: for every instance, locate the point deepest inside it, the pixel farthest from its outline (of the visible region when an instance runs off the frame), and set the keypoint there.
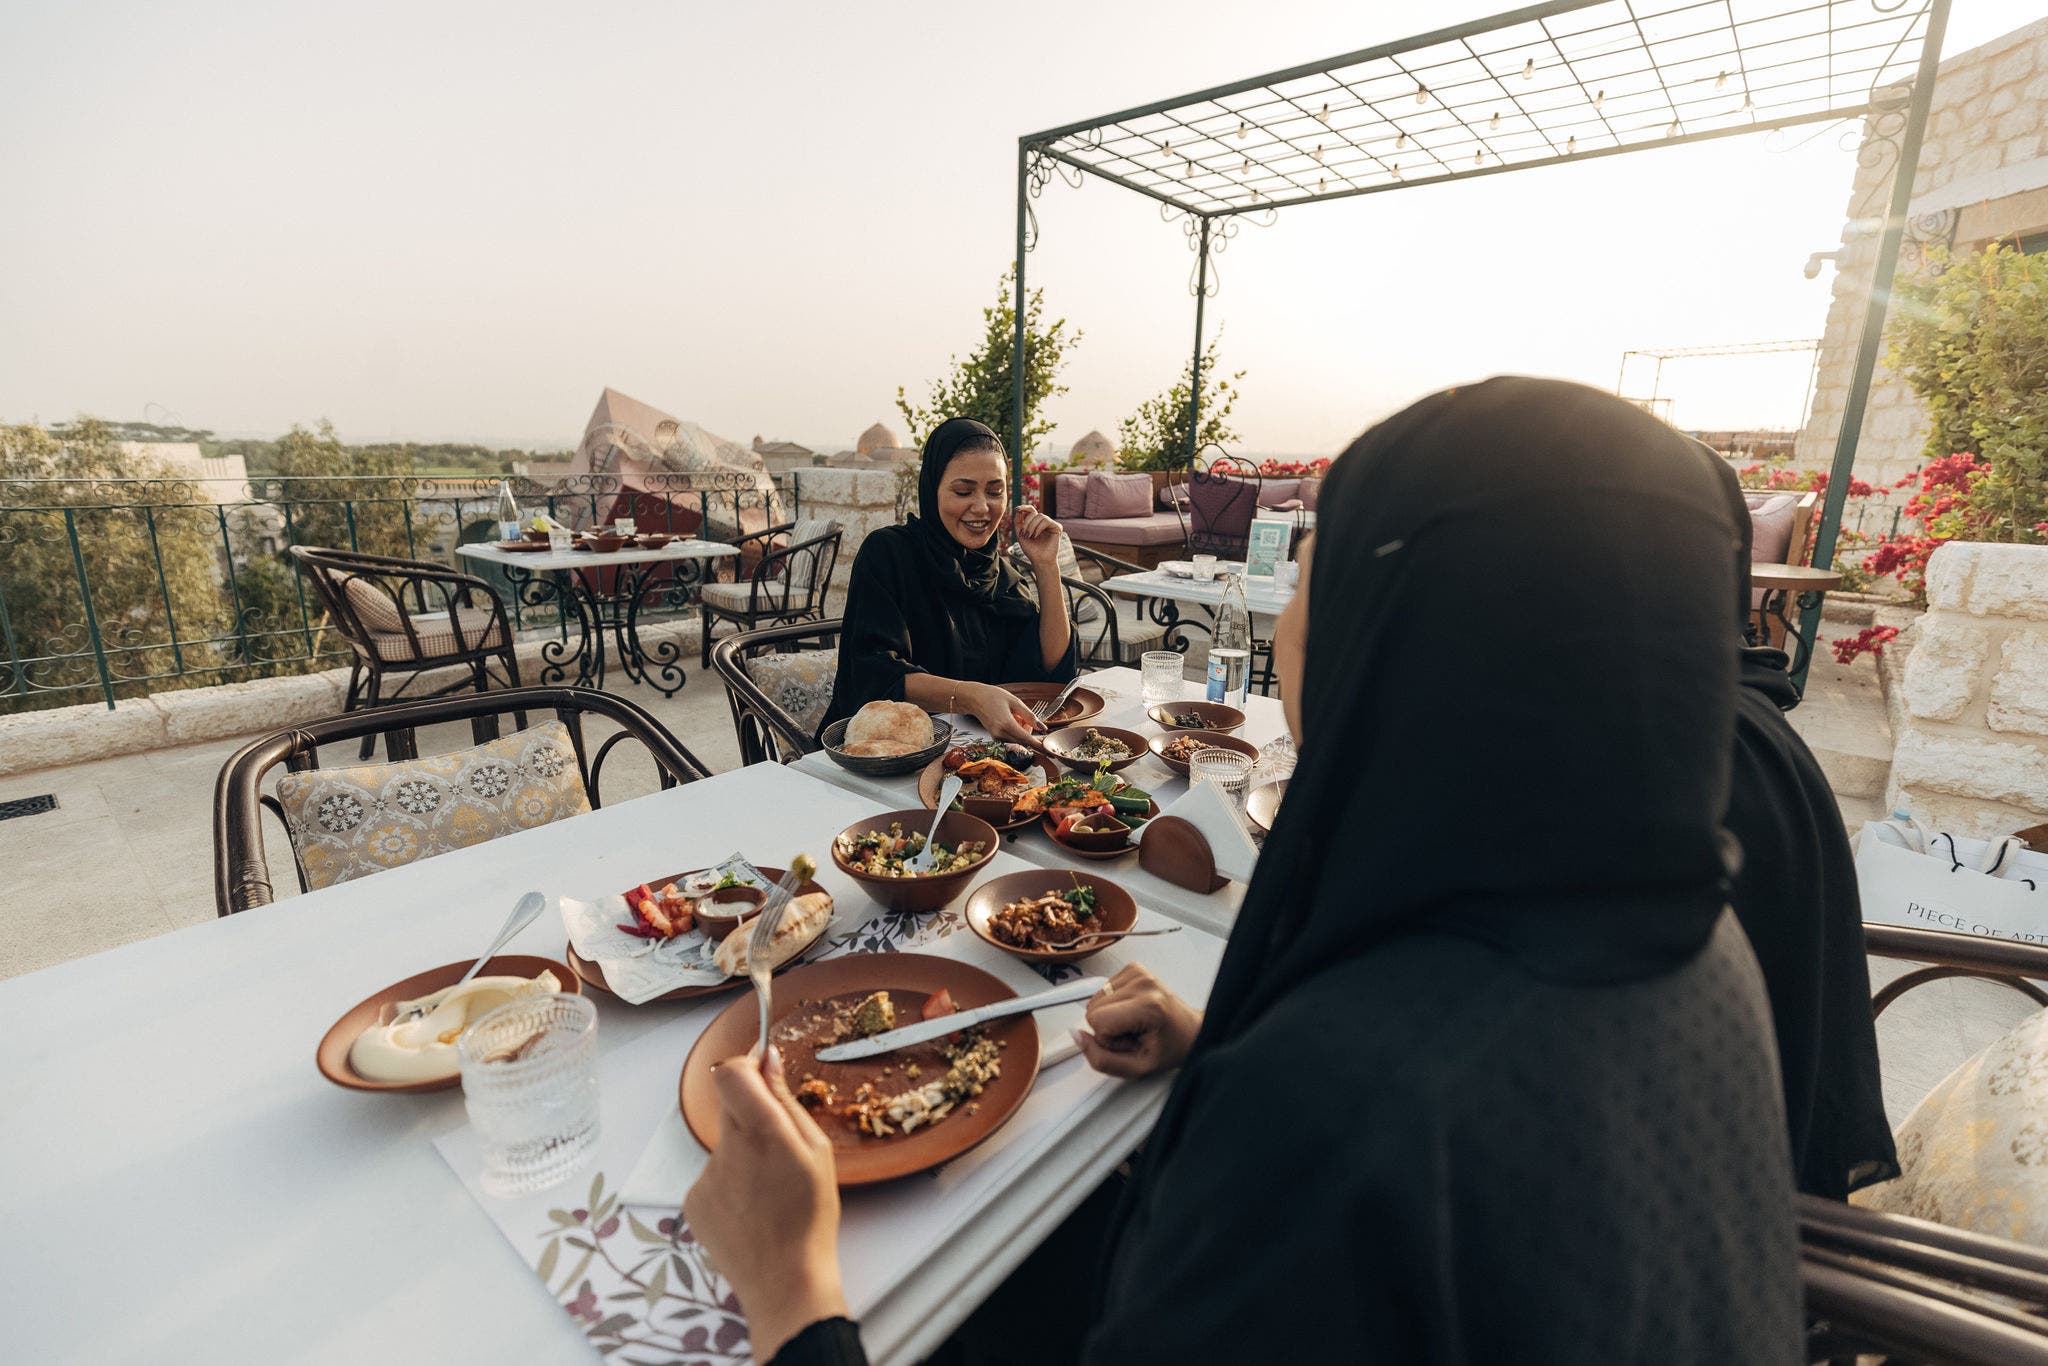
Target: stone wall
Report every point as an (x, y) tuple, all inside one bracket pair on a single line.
[(1972, 735), (859, 500), (1982, 174)]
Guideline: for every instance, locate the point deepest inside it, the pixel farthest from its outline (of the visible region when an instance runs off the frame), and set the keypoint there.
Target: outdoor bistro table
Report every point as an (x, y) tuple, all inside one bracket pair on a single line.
[(1122, 691), (544, 578), (164, 1115), (1789, 589), (1159, 596)]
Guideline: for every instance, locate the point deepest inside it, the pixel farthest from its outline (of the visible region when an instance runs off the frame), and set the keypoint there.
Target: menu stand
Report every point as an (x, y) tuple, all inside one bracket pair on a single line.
[(1176, 851)]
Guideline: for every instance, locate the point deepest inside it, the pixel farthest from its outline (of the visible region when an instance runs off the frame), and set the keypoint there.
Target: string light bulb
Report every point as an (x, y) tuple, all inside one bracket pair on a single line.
[(1241, 129), (1247, 164), (1720, 80), (1672, 131), (1598, 95), (1493, 122), (1320, 182), (1323, 114), (1400, 142), (1318, 152), (1571, 144), (1395, 167), (1748, 101), (1421, 93), (1529, 69)]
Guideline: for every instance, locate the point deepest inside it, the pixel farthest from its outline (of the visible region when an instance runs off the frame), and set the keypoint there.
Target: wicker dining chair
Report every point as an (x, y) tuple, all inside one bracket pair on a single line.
[(408, 618), (241, 869), (789, 583), (1864, 1298), (778, 680)]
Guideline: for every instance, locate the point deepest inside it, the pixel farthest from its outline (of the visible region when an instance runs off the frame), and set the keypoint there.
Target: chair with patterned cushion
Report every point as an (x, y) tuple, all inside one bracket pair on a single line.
[(779, 682), (788, 583), (349, 822), (409, 618)]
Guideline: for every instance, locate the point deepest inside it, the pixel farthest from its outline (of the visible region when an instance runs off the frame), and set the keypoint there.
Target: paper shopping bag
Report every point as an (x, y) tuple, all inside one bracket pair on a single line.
[(1941, 891)]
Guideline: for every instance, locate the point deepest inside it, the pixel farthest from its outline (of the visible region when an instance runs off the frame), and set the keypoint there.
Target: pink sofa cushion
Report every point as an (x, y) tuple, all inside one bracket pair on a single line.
[(1118, 495), (1771, 527), (1154, 528), (1221, 507), (1069, 495), (1278, 493), (1311, 489)]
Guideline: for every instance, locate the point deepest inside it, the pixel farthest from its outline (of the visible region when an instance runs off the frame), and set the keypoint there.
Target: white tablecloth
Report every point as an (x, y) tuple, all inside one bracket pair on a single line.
[(686, 549), (180, 1184), (1125, 709)]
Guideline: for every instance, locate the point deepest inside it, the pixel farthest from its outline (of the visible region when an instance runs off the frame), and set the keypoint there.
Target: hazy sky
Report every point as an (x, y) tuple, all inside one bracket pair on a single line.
[(461, 220)]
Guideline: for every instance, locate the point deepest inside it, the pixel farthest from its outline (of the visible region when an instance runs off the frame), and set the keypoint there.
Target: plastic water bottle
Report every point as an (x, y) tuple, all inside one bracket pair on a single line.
[(508, 512), (1230, 646)]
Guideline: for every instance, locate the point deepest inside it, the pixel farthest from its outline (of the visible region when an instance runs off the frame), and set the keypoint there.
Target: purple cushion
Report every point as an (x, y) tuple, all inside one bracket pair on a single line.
[(1118, 495), (1276, 493), (1154, 528), (1221, 507), (1771, 528), (1069, 494), (1311, 489), (1172, 495)]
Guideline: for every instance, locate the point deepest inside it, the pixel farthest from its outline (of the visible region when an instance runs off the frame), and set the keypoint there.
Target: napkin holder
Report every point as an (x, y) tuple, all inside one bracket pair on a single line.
[(1174, 850)]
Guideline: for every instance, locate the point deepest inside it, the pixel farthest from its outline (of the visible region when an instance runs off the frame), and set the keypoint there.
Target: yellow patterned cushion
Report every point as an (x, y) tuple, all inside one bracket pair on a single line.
[(799, 683), (350, 822), (1974, 1154)]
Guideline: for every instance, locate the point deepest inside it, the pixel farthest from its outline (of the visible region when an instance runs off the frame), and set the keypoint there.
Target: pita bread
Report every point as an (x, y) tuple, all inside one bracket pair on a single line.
[(882, 730), (801, 922)]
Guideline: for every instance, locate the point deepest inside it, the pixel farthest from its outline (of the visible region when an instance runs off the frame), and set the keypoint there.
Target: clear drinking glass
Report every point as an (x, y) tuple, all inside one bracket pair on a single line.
[(1225, 768), (529, 1082), (1205, 567), (1163, 672), (624, 526), (560, 539)]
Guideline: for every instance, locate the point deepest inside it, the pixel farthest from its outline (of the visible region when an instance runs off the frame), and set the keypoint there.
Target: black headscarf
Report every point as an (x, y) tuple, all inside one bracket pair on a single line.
[(983, 576), (1797, 900), (1516, 700)]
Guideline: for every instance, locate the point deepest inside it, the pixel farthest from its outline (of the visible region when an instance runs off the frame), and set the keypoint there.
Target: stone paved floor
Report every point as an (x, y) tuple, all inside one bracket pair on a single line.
[(128, 854)]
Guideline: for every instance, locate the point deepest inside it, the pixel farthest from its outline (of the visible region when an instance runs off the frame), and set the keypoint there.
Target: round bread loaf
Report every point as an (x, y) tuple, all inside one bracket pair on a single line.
[(883, 729)]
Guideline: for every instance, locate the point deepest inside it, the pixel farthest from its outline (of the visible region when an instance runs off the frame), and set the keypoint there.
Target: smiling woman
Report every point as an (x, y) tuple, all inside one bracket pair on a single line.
[(936, 615)]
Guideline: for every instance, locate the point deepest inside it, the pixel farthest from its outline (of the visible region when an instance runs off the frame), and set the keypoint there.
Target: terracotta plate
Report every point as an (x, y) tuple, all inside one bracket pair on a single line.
[(522, 547), (1114, 908), (1213, 738), (1215, 716), (592, 974), (934, 776), (862, 1160), (1082, 704), (332, 1055)]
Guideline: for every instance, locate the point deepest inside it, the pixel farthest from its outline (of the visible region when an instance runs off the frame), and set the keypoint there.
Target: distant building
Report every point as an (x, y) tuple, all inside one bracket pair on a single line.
[(1094, 451), (219, 479), (876, 440), (782, 456)]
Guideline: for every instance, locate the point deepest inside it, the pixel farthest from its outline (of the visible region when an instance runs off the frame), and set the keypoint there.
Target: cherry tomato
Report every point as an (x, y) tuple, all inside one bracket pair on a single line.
[(941, 1004)]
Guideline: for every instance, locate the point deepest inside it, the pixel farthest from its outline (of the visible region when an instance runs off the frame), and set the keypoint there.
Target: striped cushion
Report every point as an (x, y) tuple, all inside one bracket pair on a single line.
[(438, 636), (734, 597)]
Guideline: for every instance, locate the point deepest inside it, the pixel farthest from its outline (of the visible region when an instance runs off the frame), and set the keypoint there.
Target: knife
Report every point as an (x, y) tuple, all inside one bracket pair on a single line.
[(1080, 989)]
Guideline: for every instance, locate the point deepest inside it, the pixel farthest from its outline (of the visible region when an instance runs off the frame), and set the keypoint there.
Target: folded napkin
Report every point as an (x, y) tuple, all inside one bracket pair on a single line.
[(638, 969), (673, 1157), (1220, 822)]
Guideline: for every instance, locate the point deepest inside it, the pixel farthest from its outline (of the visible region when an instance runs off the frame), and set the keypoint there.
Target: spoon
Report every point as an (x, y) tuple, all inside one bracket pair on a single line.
[(922, 861), (523, 914)]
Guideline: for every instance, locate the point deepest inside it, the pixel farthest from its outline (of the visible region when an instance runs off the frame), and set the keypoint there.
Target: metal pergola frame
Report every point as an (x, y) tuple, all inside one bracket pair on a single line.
[(1567, 80)]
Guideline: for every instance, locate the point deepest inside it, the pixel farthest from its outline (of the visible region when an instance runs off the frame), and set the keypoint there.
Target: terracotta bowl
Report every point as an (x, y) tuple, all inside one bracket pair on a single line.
[(652, 540), (1213, 738), (733, 904), (1215, 716), (605, 544), (332, 1055), (921, 894), (1062, 742), (1114, 908)]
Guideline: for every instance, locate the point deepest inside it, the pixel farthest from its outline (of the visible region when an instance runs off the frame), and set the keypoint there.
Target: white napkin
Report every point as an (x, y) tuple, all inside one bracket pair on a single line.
[(673, 1158), (1220, 822)]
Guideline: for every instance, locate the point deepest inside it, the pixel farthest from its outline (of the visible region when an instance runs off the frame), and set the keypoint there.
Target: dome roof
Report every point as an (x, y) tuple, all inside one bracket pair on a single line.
[(877, 438), (1094, 448)]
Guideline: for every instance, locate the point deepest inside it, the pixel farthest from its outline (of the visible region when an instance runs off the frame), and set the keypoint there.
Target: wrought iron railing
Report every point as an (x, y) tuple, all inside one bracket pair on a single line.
[(113, 588)]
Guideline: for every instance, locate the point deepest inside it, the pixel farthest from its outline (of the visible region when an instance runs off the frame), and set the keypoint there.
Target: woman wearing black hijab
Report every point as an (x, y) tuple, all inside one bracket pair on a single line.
[(1797, 900), (1487, 1072), (936, 615)]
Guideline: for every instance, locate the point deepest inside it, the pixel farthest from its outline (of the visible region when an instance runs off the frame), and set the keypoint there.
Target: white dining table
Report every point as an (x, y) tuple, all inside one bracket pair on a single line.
[(1123, 694), (561, 580), (180, 1184)]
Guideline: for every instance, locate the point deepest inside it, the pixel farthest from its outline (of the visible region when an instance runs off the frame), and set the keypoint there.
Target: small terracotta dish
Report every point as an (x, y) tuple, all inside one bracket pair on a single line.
[(1214, 716), (1114, 909), (1063, 742), (1215, 739), (860, 1159), (1081, 703), (332, 1055), (719, 914), (604, 543), (1100, 837), (921, 894), (652, 540)]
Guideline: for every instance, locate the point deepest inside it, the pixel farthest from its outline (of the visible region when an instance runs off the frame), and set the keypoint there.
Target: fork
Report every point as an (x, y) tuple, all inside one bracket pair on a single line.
[(921, 862), (1043, 712), (1110, 936), (759, 970)]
